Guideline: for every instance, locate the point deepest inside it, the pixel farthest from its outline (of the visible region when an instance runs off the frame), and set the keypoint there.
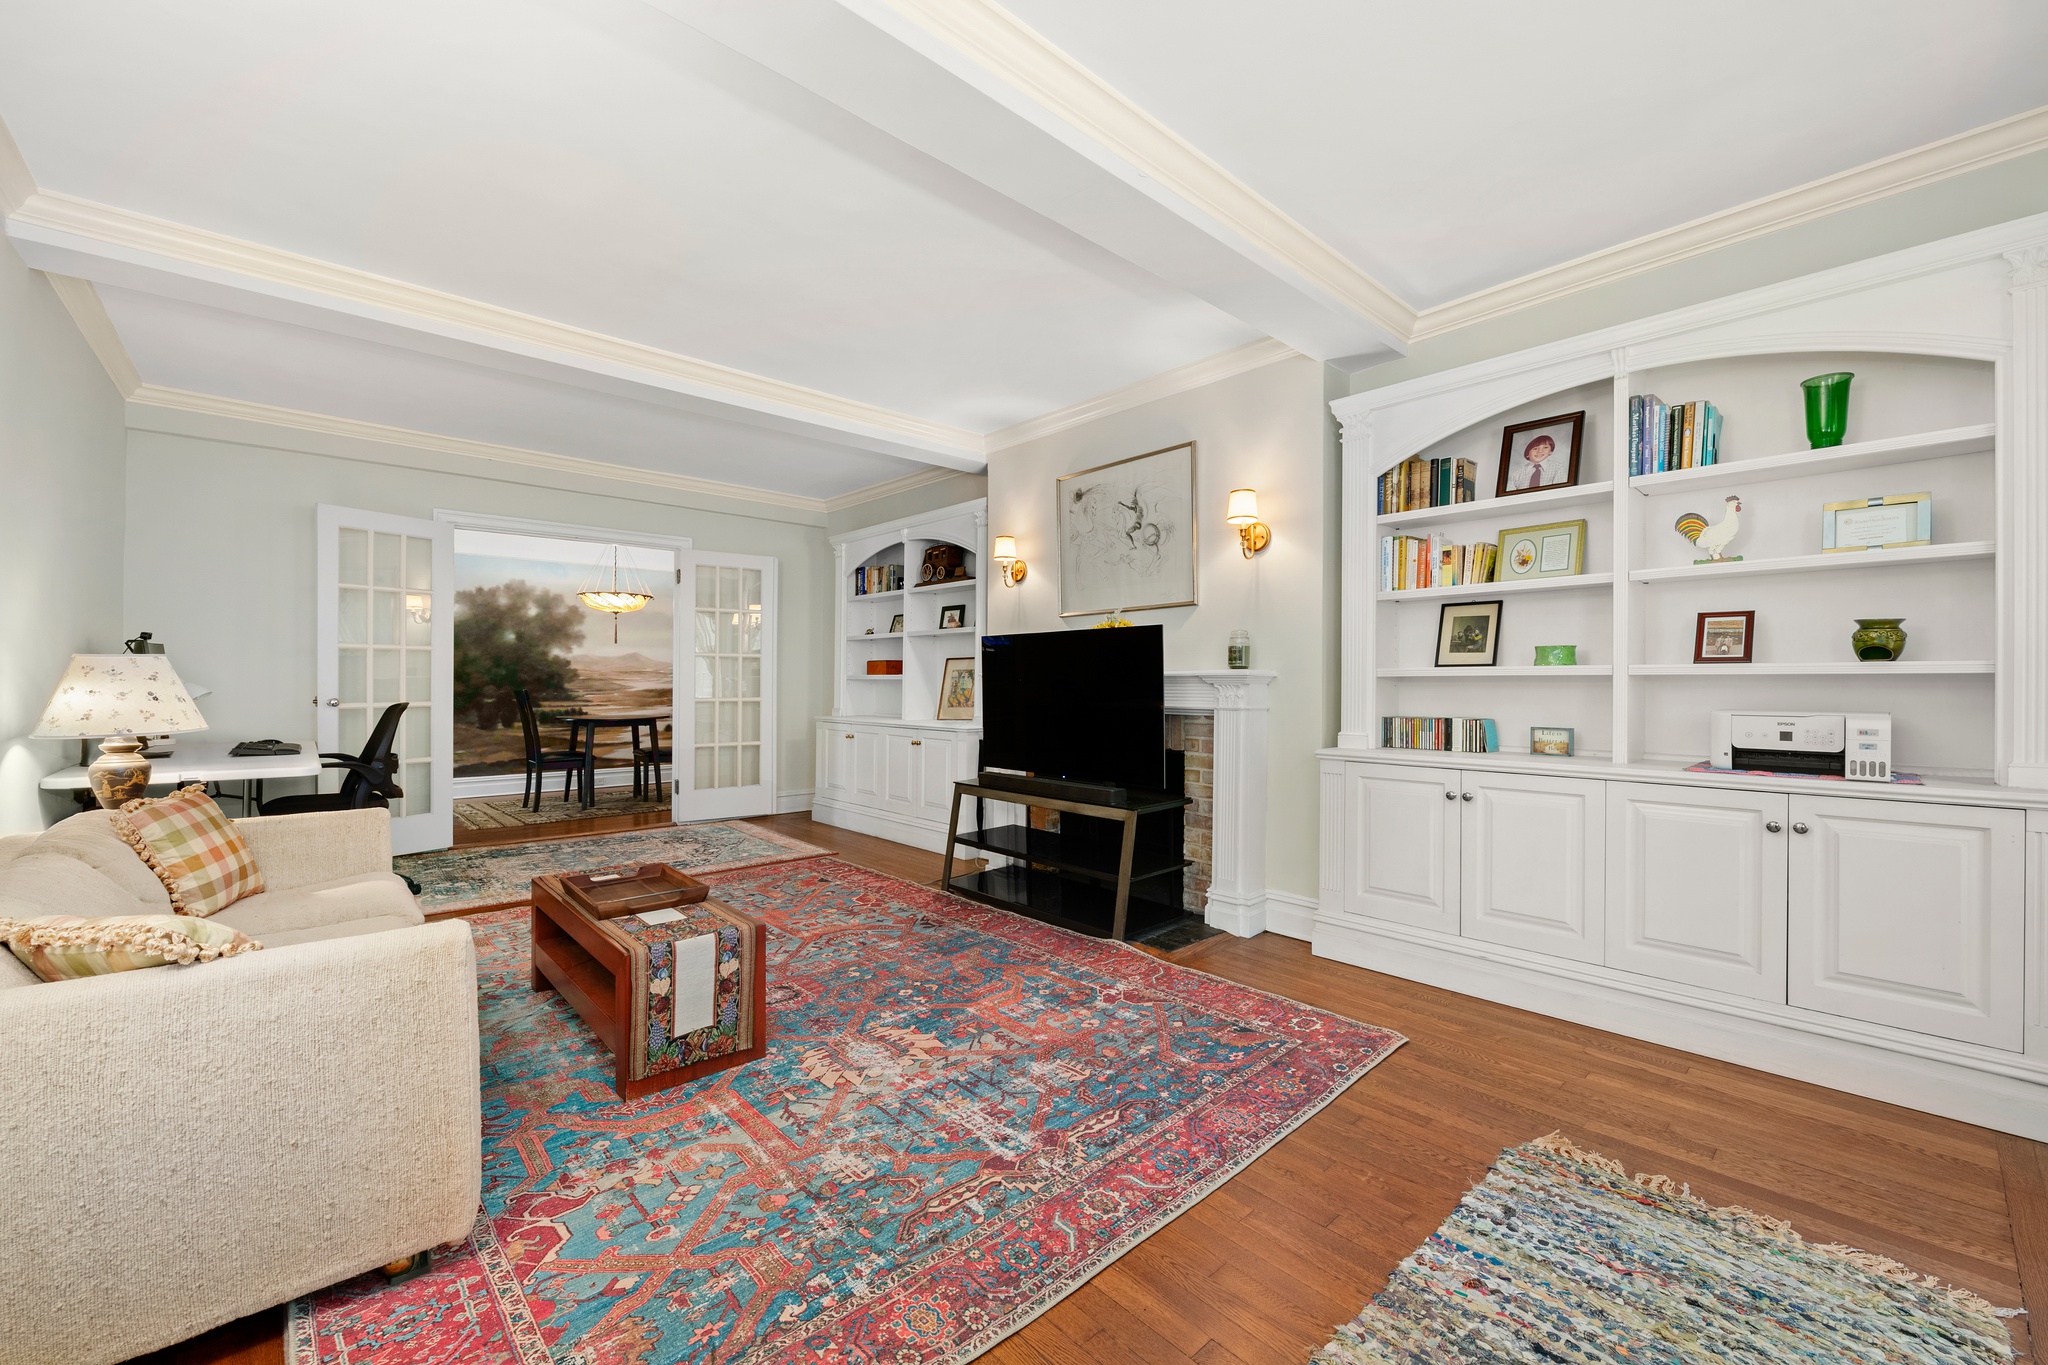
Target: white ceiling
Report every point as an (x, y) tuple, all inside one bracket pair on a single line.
[(848, 197)]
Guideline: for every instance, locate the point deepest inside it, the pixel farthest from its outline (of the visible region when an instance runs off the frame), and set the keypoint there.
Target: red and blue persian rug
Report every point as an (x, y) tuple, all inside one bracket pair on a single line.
[(963, 1115)]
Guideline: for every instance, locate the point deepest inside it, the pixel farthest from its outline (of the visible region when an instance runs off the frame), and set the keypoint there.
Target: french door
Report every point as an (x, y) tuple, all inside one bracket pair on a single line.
[(725, 686), (384, 627)]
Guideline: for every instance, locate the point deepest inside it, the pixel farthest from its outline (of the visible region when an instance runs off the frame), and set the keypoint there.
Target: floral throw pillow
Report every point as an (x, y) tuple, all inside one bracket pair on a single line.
[(66, 947), (199, 856)]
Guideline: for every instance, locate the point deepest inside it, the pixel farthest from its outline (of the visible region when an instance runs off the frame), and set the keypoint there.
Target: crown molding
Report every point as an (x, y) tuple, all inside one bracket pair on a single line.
[(1064, 98), (82, 301), (1250, 356), (1969, 151), (916, 479), (64, 222), (212, 405), (16, 184)]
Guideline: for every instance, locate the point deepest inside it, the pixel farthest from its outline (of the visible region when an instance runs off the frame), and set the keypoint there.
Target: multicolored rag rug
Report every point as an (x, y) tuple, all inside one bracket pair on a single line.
[(1559, 1256), (475, 878), (962, 1116)]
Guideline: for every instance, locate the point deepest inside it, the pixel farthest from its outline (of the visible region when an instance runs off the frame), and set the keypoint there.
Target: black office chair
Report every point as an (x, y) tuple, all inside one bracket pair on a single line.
[(539, 762), (370, 780)]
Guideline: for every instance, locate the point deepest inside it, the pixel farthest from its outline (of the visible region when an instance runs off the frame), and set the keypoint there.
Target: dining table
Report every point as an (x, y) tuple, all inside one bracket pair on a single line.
[(588, 723)]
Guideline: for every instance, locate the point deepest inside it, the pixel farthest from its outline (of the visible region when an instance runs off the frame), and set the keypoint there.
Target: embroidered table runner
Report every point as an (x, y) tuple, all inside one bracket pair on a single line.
[(693, 983)]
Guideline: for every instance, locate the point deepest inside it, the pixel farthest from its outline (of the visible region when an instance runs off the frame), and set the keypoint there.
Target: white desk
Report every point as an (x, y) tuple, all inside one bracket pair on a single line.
[(208, 762)]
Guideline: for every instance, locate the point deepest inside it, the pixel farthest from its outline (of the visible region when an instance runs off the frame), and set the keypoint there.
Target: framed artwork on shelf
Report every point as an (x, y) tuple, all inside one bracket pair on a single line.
[(956, 690), (896, 624), (1540, 454), (1468, 635), (1554, 550), (1551, 741), (1888, 523), (1127, 534), (1724, 637), (953, 617)]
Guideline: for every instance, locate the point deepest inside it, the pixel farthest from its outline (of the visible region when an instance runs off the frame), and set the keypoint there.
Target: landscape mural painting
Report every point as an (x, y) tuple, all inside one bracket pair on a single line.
[(518, 623)]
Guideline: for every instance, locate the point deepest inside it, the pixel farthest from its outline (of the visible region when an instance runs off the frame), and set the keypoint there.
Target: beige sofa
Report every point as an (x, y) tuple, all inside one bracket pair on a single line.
[(188, 1145)]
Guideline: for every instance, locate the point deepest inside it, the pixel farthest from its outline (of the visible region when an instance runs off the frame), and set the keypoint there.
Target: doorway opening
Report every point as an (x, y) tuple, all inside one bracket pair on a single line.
[(563, 711)]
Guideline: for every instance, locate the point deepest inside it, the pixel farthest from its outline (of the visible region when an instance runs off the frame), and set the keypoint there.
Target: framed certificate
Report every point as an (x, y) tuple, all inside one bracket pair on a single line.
[(1557, 550), (1890, 523)]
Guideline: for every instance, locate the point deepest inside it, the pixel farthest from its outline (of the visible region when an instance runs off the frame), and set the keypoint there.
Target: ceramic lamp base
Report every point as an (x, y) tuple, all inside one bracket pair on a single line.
[(120, 773)]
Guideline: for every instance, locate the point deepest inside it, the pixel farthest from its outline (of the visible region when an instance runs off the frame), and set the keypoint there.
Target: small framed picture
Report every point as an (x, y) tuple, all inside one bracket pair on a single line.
[(953, 617), (896, 624), (956, 690), (1888, 523), (1540, 454), (1724, 637), (1552, 741), (1557, 550), (1468, 635)]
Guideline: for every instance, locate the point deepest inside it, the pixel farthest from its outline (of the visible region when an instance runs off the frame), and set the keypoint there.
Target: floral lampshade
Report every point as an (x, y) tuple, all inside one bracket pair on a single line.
[(119, 694)]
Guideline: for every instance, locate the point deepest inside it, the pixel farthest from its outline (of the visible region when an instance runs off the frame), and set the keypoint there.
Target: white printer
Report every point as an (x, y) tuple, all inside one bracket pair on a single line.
[(1856, 746)]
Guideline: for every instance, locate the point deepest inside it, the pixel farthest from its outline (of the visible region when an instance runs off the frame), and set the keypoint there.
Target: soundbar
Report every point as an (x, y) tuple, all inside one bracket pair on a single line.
[(1058, 789)]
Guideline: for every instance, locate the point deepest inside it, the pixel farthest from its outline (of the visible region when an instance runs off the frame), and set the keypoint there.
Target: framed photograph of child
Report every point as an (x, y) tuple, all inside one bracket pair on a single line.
[(1540, 454), (1468, 635), (1551, 741), (1724, 637)]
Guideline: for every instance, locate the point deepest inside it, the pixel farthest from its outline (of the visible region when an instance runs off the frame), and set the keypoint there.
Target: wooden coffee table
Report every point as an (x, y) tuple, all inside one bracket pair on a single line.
[(577, 952)]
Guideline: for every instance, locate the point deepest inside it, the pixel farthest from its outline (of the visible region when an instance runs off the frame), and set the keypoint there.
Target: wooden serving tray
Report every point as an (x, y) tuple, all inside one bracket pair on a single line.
[(655, 886)]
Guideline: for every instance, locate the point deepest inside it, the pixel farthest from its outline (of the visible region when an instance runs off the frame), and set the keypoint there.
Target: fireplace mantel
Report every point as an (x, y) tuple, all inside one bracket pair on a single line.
[(1236, 697)]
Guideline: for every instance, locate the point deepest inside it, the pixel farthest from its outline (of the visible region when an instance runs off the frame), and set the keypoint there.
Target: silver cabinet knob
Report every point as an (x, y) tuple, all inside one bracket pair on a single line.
[(334, 701), (1773, 826), (1467, 796), (1799, 828), (1450, 796)]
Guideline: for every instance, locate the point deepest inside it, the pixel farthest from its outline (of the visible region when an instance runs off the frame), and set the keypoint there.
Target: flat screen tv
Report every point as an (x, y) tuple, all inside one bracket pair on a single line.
[(1079, 705)]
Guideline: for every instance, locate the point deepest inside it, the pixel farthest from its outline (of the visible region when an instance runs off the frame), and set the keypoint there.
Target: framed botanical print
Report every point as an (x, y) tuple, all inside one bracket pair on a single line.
[(1468, 635), (1557, 550), (1127, 534)]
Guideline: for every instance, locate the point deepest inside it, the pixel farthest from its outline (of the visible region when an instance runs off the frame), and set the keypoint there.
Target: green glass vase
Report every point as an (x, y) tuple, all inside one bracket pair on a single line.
[(1827, 409)]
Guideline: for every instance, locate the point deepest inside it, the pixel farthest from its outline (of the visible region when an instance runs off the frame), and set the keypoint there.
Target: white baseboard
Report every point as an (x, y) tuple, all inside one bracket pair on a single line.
[(882, 824), (512, 784), (1244, 916), (2005, 1091), (791, 803), (1290, 915)]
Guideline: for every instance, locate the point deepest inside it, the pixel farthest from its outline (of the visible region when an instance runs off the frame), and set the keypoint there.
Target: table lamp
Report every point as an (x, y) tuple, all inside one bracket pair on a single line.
[(117, 699)]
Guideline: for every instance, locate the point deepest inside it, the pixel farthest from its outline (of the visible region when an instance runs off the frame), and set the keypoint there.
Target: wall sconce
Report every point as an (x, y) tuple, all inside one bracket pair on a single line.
[(1009, 568), (1252, 533)]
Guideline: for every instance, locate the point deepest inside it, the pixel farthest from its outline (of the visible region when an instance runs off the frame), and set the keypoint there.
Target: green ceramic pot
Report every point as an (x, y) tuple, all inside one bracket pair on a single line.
[(1560, 656), (1878, 638), (1827, 409)]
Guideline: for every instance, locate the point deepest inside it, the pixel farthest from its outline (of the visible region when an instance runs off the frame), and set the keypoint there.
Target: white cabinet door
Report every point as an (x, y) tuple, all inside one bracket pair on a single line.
[(830, 769), (902, 768), (1534, 863), (1402, 829), (1696, 886), (945, 760), (867, 764), (1909, 914)]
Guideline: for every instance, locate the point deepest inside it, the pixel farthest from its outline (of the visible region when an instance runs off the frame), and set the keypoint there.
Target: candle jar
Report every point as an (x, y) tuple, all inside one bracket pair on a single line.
[(1240, 649)]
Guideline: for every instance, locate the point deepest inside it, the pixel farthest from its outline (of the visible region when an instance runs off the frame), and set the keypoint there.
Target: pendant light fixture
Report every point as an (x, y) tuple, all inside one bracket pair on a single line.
[(612, 597)]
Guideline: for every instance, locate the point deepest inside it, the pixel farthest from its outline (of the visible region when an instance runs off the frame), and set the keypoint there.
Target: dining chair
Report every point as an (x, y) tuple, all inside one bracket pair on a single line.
[(650, 756), (541, 762), (371, 779)]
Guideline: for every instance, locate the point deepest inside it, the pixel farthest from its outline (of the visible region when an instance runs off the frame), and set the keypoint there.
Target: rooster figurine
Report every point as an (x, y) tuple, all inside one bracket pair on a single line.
[(1716, 538)]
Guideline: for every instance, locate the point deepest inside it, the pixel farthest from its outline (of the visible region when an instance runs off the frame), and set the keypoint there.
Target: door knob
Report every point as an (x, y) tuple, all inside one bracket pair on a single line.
[(1773, 826), (1799, 827), (334, 701), (1467, 796)]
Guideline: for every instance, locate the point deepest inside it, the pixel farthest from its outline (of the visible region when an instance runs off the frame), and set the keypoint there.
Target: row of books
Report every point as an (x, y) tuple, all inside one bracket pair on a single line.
[(877, 578), (1663, 437), (1415, 483), (1452, 734), (1433, 562)]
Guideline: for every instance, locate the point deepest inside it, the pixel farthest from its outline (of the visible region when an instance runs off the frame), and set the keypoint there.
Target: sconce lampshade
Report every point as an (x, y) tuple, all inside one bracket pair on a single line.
[(1244, 507), (101, 695), (1006, 547)]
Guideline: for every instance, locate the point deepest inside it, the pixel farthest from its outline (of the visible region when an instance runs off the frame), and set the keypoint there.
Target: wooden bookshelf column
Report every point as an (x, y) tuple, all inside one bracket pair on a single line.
[(2024, 535)]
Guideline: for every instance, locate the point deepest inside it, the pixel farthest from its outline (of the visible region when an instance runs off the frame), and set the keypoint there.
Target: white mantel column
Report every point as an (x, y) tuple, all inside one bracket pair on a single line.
[(1237, 874), (2021, 544)]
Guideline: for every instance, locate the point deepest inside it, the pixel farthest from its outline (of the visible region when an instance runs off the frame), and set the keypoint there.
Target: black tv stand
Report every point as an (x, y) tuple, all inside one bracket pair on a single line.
[(1112, 869)]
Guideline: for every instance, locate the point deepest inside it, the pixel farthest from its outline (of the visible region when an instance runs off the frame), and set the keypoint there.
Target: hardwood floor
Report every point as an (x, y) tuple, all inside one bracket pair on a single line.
[(1260, 1272)]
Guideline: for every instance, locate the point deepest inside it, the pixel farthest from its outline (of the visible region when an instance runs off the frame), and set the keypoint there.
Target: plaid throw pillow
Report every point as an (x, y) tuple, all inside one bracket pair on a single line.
[(66, 947), (199, 857)]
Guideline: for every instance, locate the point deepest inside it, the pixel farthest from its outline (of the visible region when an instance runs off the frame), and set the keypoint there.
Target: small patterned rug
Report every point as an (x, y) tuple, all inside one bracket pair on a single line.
[(1559, 1256), (479, 878), (506, 812), (963, 1114)]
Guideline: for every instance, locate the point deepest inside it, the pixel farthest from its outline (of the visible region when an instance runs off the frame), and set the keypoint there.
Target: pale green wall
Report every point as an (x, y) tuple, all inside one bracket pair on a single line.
[(1267, 429), (221, 556), (1997, 194), (61, 457)]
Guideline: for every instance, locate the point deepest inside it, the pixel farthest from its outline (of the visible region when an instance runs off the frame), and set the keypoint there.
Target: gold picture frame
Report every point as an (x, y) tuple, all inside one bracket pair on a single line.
[(1854, 527), (1556, 549), (956, 690)]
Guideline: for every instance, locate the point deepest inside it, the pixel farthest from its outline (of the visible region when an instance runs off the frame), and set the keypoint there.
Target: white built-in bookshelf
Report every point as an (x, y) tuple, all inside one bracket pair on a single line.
[(865, 620), (1925, 416)]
